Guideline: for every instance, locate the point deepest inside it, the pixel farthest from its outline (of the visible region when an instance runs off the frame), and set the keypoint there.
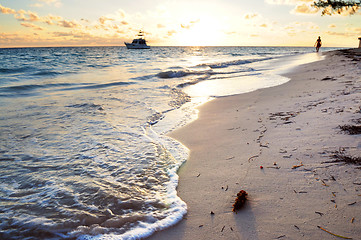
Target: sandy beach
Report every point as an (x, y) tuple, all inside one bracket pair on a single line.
[(276, 144)]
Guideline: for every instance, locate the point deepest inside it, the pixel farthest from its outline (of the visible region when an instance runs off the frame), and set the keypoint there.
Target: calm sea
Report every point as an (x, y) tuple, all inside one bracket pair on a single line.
[(83, 151)]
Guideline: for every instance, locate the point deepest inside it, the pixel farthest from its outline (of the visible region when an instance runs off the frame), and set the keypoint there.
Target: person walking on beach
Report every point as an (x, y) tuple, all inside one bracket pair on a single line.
[(318, 44)]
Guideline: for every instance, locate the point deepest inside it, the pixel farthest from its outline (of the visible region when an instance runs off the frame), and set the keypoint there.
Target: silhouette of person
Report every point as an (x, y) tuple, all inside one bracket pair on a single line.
[(318, 44)]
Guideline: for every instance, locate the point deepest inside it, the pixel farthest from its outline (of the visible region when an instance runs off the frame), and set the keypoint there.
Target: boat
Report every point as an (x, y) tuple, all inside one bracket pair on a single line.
[(138, 43)]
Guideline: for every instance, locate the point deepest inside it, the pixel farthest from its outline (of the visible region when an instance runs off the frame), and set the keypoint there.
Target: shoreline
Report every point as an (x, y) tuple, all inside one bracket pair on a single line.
[(289, 130)]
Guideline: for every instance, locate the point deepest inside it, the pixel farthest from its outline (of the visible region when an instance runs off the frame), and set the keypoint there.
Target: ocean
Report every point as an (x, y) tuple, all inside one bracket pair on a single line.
[(83, 146)]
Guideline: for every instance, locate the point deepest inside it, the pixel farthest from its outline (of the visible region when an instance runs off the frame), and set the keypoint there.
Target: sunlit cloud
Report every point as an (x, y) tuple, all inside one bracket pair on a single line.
[(31, 25), (342, 34), (251, 15), (68, 24), (171, 33), (6, 10), (331, 26), (298, 28), (301, 6), (304, 9), (355, 30), (190, 24), (231, 33), (102, 20)]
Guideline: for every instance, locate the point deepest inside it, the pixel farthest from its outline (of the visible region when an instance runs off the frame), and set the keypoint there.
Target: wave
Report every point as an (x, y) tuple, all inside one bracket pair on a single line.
[(29, 87), (182, 73), (15, 70), (47, 73), (55, 86), (103, 85), (86, 105), (208, 68), (234, 62)]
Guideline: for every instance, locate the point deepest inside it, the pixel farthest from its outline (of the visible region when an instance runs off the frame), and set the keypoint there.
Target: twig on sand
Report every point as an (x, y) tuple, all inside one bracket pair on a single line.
[(251, 158), (297, 166), (282, 236), (274, 167), (333, 233), (321, 214), (324, 184)]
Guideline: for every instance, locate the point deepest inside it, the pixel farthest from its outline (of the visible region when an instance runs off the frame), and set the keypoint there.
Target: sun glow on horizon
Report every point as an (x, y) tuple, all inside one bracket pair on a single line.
[(203, 31)]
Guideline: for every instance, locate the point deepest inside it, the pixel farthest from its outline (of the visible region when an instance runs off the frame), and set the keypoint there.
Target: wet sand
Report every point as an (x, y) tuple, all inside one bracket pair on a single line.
[(276, 144)]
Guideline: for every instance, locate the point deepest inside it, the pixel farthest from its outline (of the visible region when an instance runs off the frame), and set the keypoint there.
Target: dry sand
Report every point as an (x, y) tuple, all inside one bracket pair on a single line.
[(290, 130)]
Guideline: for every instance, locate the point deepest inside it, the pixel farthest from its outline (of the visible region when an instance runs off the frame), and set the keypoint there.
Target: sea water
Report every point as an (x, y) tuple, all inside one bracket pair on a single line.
[(83, 146)]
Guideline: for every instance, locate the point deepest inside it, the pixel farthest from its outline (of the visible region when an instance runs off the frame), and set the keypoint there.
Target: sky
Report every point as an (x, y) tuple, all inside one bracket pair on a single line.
[(37, 23)]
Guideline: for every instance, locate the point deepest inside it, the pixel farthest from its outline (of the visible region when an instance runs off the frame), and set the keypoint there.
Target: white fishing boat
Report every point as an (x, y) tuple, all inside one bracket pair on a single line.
[(138, 43)]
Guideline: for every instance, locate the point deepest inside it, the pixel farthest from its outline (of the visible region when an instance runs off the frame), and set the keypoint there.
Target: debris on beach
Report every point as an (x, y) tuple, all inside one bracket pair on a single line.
[(351, 129), (297, 166), (333, 233), (328, 79), (240, 200)]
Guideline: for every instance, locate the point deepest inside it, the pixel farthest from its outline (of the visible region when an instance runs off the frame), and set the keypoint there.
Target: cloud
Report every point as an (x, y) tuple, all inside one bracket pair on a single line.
[(171, 33), (31, 25), (263, 25), (28, 16), (342, 34), (102, 20), (33, 17), (72, 34), (304, 9), (331, 26), (160, 25), (68, 24), (120, 13), (302, 6), (250, 15), (55, 3), (231, 33), (50, 19), (6, 10), (190, 24), (354, 30)]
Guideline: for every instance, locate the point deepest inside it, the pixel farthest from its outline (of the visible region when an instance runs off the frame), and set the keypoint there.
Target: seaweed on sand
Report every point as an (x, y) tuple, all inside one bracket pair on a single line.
[(342, 158), (351, 129), (240, 200)]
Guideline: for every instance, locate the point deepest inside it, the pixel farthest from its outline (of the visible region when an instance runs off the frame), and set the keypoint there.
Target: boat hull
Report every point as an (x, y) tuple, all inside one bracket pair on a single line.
[(136, 46)]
